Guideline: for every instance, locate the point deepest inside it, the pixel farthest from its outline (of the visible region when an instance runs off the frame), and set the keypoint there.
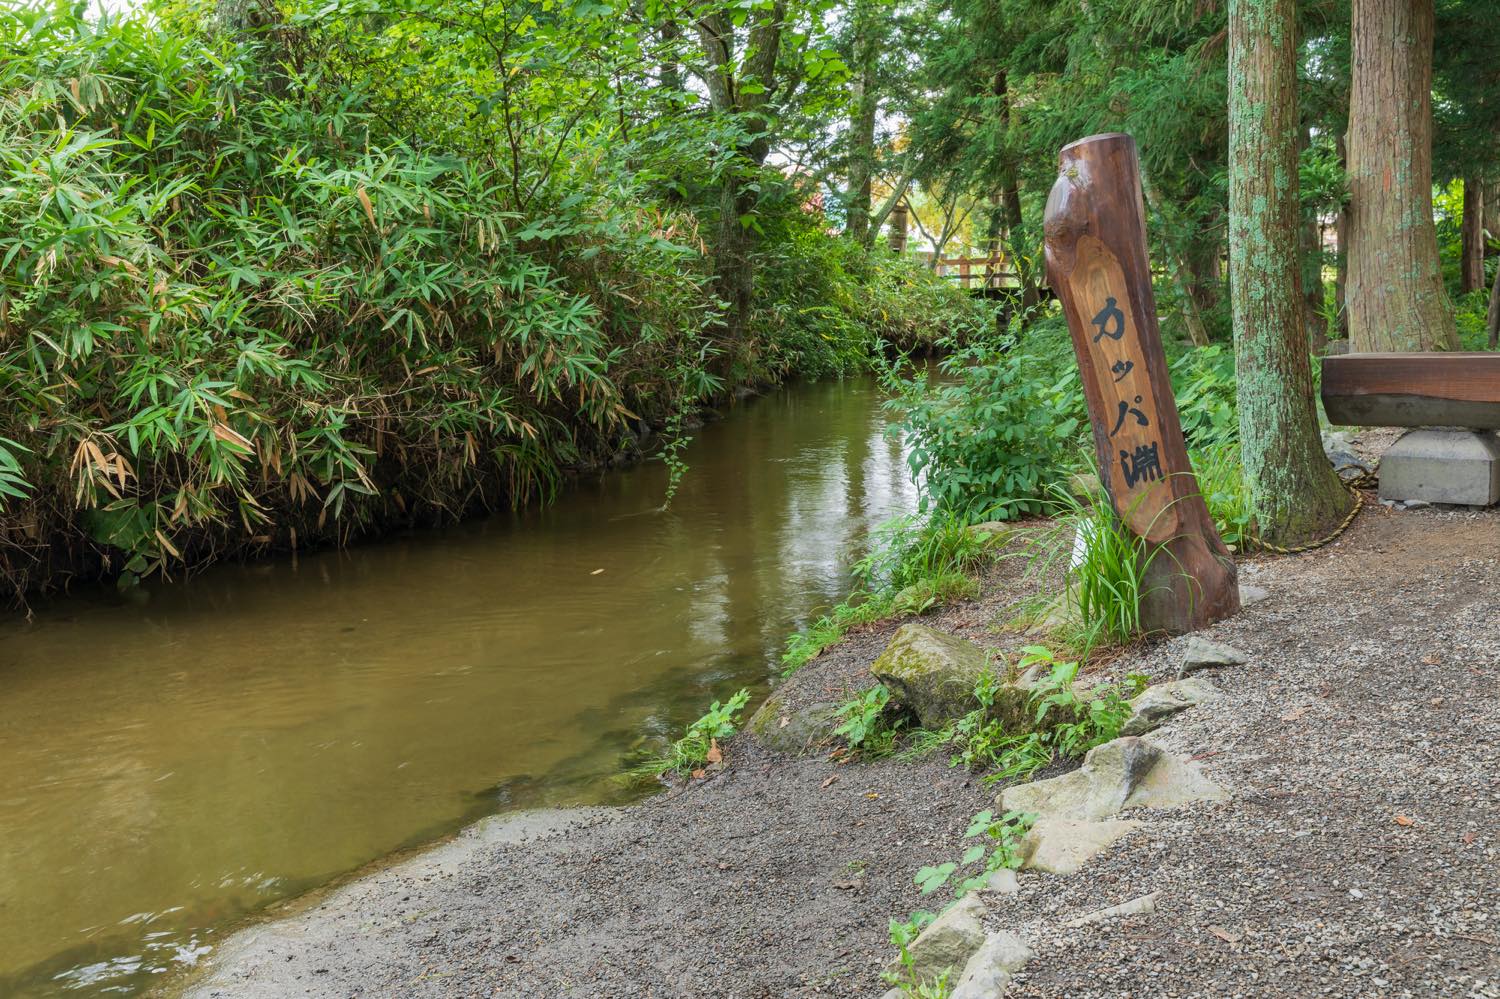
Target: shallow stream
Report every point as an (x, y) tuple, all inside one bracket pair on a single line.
[(171, 763)]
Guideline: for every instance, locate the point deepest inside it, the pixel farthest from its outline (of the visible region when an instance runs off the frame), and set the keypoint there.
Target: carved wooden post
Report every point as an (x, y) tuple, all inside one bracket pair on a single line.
[(1096, 262)]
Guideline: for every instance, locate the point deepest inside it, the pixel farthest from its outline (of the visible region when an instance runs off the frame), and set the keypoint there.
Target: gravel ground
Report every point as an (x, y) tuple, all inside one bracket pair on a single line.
[(1358, 856)]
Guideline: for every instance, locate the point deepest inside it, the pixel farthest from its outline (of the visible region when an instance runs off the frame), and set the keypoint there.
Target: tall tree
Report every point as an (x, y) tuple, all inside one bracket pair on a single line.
[(1295, 493), (1471, 260), (1395, 292), (740, 84), (863, 110)]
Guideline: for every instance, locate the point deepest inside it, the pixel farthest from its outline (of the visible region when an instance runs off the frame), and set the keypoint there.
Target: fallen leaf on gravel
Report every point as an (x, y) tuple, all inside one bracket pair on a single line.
[(785, 721), (1469, 836), (830, 780), (715, 754), (1295, 714), (1402, 820), (1431, 660), (1228, 936), (699, 774)]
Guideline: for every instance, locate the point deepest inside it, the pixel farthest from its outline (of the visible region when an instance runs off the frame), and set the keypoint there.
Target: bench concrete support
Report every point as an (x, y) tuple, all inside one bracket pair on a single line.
[(1443, 466)]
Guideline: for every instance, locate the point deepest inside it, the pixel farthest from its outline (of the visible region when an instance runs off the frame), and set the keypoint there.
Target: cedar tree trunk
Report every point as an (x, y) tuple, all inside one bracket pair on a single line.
[(1471, 264), (1296, 496), (1395, 294)]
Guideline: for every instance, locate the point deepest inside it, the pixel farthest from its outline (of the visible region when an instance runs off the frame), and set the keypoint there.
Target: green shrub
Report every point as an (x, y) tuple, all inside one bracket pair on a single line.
[(988, 437)]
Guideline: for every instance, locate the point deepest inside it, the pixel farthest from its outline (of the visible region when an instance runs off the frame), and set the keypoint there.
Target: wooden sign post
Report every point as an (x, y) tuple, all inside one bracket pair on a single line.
[(1096, 263)]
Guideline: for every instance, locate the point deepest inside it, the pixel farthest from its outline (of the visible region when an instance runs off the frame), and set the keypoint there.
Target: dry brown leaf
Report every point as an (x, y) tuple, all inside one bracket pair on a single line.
[(1402, 820), (1295, 714), (715, 755), (1469, 836), (699, 774), (830, 780), (1228, 936), (1431, 660)]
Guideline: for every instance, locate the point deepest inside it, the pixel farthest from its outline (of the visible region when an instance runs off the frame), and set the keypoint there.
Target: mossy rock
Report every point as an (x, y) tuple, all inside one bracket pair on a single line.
[(934, 674), (991, 533), (787, 727)]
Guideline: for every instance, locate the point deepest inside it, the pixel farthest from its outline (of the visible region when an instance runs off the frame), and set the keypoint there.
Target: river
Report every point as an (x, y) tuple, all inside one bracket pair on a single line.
[(177, 761)]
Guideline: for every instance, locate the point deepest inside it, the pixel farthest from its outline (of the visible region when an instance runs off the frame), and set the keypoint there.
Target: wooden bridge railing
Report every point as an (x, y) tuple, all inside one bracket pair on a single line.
[(978, 272)]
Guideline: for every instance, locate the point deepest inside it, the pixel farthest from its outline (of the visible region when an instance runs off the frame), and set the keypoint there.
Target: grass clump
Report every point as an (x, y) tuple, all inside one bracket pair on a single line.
[(911, 565)]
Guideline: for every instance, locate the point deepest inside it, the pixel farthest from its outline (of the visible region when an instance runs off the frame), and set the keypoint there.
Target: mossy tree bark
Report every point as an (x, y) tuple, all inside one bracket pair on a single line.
[(1296, 495), (1395, 294)]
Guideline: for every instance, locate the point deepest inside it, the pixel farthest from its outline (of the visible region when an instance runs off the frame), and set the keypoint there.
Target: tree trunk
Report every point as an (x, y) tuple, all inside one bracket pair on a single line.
[(1491, 215), (1312, 271), (734, 262), (1295, 495), (1313, 320), (1010, 198), (1494, 314), (1341, 263), (1202, 258), (862, 127), (1192, 318), (1395, 293), (1471, 264)]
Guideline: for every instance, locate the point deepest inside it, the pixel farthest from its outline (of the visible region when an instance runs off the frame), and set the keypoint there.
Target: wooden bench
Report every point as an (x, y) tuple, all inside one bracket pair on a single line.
[(1425, 391), (1413, 390)]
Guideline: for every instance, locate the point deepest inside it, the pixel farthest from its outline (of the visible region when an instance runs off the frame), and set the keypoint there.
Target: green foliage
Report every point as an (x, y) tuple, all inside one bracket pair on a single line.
[(827, 304), (863, 723), (861, 608), (986, 438), (903, 932), (1008, 420), (1105, 562), (692, 751), (1221, 480), (911, 564), (240, 307), (998, 846), (1064, 723)]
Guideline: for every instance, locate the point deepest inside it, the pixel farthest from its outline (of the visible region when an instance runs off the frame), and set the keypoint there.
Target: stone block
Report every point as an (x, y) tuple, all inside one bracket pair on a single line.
[(1442, 466)]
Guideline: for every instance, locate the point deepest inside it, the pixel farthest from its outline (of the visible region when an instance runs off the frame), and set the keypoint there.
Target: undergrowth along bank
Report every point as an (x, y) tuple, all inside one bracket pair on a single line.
[(260, 290)]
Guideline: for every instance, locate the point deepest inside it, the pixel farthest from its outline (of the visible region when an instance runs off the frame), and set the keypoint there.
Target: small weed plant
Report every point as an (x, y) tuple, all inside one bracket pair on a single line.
[(902, 935), (997, 846), (1062, 722), (699, 744), (863, 723)]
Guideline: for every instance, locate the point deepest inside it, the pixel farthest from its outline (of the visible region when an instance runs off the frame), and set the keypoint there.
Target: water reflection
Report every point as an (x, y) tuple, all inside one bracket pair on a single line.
[(170, 766)]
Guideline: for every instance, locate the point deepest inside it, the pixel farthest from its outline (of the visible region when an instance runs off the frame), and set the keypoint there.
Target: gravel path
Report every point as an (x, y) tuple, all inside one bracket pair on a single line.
[(1359, 856)]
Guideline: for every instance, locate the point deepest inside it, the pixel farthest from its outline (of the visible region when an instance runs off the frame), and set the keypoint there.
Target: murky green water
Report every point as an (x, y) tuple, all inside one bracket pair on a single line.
[(167, 768)]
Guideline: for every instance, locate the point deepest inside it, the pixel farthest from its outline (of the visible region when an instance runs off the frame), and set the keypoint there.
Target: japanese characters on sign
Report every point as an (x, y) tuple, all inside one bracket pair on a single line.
[(1137, 482)]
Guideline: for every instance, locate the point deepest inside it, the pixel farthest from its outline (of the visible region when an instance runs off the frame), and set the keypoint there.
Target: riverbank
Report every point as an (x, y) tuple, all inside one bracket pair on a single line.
[(1356, 856)]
